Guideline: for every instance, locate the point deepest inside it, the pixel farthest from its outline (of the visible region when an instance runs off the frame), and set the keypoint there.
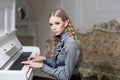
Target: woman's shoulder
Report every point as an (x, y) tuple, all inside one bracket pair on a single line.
[(71, 41)]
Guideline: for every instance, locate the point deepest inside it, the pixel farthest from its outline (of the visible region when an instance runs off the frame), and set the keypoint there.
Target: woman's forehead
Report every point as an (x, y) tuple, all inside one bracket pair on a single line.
[(54, 18)]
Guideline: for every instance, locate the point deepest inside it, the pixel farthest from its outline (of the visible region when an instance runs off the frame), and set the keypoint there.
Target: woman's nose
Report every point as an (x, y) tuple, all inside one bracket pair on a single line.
[(53, 27)]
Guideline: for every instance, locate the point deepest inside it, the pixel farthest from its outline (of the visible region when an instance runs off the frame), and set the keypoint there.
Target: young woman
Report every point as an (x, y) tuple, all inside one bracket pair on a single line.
[(65, 52)]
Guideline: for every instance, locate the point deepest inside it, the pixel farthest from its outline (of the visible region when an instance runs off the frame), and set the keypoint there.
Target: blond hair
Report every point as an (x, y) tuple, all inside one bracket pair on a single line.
[(70, 29)]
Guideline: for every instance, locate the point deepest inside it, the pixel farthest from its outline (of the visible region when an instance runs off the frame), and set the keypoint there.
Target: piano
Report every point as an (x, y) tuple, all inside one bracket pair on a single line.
[(12, 52)]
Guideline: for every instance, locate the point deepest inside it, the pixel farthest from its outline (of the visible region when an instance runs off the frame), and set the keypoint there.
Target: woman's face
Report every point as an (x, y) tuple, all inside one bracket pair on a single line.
[(57, 25)]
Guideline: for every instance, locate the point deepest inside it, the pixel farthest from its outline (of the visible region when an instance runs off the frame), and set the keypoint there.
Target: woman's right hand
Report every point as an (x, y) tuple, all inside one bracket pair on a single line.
[(36, 58)]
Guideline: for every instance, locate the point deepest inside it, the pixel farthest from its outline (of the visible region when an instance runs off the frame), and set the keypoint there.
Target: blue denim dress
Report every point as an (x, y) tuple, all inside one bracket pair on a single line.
[(66, 58)]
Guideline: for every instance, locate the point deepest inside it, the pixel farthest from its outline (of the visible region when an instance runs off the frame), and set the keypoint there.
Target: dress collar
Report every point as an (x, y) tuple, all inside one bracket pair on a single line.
[(62, 37)]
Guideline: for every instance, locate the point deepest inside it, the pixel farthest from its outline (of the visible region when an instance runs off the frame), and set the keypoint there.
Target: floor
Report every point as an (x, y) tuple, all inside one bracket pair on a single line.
[(41, 78), (89, 78), (44, 78), (39, 75)]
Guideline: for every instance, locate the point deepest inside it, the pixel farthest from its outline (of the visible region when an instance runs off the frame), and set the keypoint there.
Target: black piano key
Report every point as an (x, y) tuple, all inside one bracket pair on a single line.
[(17, 64)]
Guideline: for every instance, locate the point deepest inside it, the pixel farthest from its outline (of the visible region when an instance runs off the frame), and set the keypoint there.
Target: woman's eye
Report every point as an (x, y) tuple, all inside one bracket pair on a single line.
[(50, 24), (57, 23)]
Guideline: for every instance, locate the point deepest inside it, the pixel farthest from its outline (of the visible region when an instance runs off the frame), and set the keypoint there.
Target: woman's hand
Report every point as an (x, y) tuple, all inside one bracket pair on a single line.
[(36, 58), (32, 64), (34, 61)]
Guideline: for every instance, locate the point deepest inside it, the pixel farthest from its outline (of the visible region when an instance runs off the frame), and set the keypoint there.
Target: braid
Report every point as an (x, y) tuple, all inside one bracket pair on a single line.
[(54, 43), (71, 30)]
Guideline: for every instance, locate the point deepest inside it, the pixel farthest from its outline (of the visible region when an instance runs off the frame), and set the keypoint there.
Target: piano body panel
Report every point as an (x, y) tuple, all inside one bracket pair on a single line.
[(12, 75)]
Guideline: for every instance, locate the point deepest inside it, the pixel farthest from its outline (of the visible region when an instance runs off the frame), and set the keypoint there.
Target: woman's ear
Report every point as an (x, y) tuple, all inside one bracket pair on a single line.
[(66, 23)]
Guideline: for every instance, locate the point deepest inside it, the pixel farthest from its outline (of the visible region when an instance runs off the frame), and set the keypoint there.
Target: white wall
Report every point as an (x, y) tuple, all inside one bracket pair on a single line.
[(74, 10), (97, 11)]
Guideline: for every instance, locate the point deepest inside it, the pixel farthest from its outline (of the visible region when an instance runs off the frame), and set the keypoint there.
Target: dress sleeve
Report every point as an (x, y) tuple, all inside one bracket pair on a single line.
[(49, 62), (65, 72)]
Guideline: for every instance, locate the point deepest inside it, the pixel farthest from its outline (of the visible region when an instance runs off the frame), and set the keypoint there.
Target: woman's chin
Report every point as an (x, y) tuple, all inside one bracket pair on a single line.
[(55, 34)]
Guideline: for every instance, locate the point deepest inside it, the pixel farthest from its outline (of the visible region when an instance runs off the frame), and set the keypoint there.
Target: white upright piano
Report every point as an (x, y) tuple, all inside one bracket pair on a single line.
[(11, 50)]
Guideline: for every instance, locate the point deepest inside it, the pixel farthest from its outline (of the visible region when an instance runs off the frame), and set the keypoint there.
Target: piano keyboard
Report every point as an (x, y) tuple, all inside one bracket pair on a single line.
[(17, 64)]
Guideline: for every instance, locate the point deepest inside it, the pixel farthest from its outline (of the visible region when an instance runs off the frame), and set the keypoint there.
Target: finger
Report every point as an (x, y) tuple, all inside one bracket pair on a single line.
[(31, 57), (34, 60), (26, 62)]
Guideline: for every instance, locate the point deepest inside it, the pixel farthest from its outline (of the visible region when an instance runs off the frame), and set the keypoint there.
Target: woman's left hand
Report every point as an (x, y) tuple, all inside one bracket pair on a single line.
[(32, 64)]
